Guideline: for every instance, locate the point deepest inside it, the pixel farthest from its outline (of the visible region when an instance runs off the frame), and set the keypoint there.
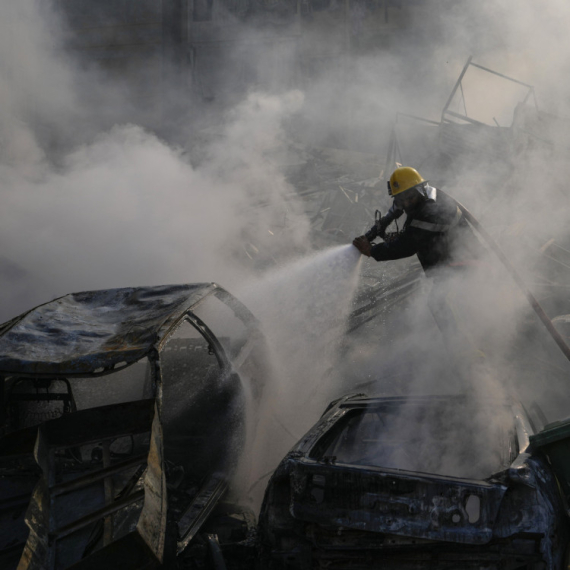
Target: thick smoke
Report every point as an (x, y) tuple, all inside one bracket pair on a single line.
[(92, 199), (122, 207), (303, 307)]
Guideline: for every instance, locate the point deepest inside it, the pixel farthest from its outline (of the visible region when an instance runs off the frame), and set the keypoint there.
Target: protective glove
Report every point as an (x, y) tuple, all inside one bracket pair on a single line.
[(362, 244)]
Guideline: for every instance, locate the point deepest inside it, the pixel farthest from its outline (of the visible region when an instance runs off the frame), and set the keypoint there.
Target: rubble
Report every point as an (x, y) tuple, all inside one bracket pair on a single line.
[(96, 467)]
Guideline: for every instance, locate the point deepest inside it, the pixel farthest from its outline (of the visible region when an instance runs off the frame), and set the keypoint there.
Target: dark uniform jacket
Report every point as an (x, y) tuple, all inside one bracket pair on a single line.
[(437, 232), (392, 214)]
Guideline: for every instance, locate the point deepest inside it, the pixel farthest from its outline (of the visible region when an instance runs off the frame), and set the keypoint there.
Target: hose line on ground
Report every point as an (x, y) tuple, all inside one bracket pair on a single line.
[(517, 278)]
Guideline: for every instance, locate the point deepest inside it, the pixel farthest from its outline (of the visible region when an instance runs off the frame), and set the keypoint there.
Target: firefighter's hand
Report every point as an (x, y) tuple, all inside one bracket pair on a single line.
[(362, 245)]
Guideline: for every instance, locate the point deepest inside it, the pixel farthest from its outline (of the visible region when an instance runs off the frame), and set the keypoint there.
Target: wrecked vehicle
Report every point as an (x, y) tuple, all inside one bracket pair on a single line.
[(123, 414), (367, 488)]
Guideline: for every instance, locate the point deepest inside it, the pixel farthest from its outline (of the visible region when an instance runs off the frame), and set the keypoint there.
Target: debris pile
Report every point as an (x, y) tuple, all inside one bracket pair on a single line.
[(142, 473)]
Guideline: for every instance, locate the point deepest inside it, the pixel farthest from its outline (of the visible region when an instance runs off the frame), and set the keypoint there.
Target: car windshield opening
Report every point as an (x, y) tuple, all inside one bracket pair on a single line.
[(440, 438)]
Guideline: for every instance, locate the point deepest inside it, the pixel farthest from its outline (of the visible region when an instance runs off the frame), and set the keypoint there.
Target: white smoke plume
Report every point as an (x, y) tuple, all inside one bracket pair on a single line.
[(93, 200), (121, 206)]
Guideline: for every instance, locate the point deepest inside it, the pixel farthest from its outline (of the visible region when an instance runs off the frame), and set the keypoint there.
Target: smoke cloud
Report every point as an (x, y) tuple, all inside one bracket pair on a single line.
[(121, 206), (93, 197)]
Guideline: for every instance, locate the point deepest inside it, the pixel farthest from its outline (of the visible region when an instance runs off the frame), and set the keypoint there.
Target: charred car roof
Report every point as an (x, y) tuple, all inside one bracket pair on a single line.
[(83, 332)]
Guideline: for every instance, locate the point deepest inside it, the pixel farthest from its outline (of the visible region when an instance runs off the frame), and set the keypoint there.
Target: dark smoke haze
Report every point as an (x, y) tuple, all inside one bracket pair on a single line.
[(118, 205), (98, 193)]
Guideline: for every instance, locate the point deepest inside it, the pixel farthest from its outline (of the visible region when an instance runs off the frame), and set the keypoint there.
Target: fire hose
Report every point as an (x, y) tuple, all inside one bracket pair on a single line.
[(516, 277)]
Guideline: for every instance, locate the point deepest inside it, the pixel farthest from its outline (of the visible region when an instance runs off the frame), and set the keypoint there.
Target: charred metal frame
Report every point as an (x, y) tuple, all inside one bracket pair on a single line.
[(348, 515), (459, 85), (394, 156), (96, 425)]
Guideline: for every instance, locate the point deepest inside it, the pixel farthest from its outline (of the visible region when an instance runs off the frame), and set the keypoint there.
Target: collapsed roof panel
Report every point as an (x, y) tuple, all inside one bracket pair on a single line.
[(478, 132), (81, 332), (481, 95)]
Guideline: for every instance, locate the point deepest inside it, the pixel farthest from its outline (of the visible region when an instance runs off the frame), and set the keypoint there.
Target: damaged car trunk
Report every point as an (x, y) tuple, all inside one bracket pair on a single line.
[(123, 418), (390, 483)]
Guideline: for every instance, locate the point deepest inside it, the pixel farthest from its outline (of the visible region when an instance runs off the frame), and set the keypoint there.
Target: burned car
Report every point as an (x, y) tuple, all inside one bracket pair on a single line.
[(415, 482), (123, 415)]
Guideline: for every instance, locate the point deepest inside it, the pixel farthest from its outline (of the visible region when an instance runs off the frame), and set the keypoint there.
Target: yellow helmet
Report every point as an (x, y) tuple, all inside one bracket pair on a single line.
[(402, 179)]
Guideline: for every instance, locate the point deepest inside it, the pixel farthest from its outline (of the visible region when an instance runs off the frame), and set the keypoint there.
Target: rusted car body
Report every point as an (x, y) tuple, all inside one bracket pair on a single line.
[(367, 487), (123, 414)]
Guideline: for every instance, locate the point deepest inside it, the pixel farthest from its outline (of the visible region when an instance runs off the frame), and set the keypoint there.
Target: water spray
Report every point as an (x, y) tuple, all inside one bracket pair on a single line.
[(303, 307)]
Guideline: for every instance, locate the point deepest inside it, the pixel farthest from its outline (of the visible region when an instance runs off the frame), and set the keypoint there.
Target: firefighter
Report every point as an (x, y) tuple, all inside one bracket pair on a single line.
[(437, 231), (435, 228)]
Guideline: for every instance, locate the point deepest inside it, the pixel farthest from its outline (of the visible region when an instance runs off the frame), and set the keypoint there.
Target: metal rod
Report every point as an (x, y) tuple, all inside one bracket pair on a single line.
[(533, 93), (398, 152), (389, 162), (467, 119), (417, 118), (454, 90), (528, 95), (560, 247), (97, 531), (556, 260), (95, 516), (91, 478), (463, 97), (199, 510), (501, 75), (109, 493)]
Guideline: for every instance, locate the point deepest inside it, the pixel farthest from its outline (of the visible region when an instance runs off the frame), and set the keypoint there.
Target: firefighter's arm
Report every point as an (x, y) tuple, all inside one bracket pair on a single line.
[(403, 245), (379, 228)]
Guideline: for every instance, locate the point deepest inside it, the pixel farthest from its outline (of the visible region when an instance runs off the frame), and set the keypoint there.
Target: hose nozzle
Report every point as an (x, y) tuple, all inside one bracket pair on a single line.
[(376, 229)]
